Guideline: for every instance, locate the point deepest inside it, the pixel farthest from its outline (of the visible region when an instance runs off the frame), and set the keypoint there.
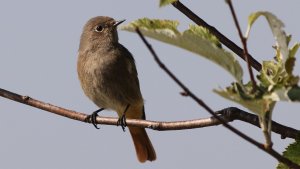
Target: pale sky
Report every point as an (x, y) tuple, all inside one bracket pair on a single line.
[(38, 52)]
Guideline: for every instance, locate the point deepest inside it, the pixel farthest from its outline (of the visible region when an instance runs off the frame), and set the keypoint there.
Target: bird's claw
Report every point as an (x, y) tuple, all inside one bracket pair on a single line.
[(122, 122), (92, 118)]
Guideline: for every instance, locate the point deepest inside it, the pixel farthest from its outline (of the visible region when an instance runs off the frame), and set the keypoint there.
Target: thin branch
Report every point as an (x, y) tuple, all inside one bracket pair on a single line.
[(179, 125), (223, 39), (268, 150), (229, 114), (244, 42), (233, 113)]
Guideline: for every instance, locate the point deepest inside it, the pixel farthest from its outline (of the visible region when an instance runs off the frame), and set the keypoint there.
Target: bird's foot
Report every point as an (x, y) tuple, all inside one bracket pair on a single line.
[(92, 117), (122, 122)]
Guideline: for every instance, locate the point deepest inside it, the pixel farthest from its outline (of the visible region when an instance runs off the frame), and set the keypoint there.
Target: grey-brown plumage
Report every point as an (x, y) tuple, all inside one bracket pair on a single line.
[(108, 77)]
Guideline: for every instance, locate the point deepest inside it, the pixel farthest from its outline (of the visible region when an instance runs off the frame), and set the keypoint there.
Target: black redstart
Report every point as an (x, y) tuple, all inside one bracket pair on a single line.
[(108, 77)]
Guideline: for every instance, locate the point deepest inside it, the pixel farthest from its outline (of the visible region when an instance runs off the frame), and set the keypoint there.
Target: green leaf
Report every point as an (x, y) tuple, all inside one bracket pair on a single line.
[(289, 65), (293, 50), (290, 94), (294, 94), (292, 152), (272, 74), (276, 26), (165, 2), (290, 62), (256, 101), (195, 39), (276, 80), (243, 95), (279, 79)]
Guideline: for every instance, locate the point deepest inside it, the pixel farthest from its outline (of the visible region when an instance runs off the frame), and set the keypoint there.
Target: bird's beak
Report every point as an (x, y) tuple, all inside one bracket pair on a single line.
[(118, 23)]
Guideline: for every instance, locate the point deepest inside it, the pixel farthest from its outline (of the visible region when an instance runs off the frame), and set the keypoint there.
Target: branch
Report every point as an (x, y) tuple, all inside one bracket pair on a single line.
[(233, 113), (229, 114), (187, 92), (223, 39), (244, 42)]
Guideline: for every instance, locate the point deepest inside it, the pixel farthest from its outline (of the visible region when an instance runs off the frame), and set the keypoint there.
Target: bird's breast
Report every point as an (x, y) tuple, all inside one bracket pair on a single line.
[(103, 79)]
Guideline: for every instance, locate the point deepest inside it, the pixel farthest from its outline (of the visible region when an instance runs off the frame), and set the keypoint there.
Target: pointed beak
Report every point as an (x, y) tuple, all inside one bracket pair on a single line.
[(118, 23)]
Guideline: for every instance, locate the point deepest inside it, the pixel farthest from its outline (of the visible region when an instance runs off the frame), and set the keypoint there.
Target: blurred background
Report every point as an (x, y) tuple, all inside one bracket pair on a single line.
[(38, 56)]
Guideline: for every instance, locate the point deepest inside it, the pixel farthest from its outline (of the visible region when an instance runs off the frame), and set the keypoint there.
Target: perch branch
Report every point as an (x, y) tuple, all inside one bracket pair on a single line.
[(187, 92), (228, 114)]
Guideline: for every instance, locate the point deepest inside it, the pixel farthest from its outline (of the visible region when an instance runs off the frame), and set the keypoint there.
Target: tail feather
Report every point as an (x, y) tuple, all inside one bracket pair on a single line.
[(143, 146)]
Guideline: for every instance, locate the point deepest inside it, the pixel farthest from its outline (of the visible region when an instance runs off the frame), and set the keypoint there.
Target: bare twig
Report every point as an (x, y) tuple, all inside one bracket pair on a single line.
[(268, 150), (244, 42), (223, 39), (233, 113), (228, 114), (179, 125)]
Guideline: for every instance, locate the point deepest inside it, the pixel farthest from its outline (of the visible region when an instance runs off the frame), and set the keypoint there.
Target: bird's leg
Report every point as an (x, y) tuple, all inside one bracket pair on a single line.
[(92, 117), (122, 119)]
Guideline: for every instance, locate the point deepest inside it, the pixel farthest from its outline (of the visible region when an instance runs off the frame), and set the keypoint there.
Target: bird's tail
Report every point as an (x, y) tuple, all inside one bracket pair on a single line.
[(143, 146)]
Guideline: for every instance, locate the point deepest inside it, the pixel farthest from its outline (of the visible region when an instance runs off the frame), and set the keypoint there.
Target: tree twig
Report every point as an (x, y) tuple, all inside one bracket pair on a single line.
[(223, 39), (228, 114), (268, 150), (244, 42), (233, 113)]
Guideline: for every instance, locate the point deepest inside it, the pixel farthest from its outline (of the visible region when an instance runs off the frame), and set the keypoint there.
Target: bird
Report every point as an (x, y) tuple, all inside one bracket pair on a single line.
[(109, 78)]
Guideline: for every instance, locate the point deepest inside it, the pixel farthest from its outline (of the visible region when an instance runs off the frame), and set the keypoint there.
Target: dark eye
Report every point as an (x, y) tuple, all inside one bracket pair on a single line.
[(99, 28)]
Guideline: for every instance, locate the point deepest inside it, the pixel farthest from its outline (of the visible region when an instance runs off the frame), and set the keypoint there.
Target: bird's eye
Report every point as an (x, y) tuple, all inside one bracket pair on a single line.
[(99, 28)]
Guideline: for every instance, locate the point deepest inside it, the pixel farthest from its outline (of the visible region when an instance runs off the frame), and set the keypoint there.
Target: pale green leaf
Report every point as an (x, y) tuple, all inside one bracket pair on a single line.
[(292, 152), (195, 39), (272, 74), (255, 102), (243, 95), (278, 78), (279, 95), (276, 26), (290, 62), (165, 2), (293, 50)]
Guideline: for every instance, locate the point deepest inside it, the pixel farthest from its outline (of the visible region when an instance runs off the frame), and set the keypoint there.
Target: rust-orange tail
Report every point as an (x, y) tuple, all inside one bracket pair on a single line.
[(143, 146)]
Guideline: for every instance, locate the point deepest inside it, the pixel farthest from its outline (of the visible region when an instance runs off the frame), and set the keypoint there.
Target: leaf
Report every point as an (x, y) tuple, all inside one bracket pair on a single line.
[(243, 95), (290, 62), (294, 94), (292, 152), (195, 39), (255, 101), (276, 26), (289, 65), (165, 2), (279, 95), (279, 80), (272, 74)]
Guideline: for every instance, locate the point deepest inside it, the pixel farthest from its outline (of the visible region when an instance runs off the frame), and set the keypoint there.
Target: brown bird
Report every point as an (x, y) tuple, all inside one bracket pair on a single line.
[(108, 77)]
